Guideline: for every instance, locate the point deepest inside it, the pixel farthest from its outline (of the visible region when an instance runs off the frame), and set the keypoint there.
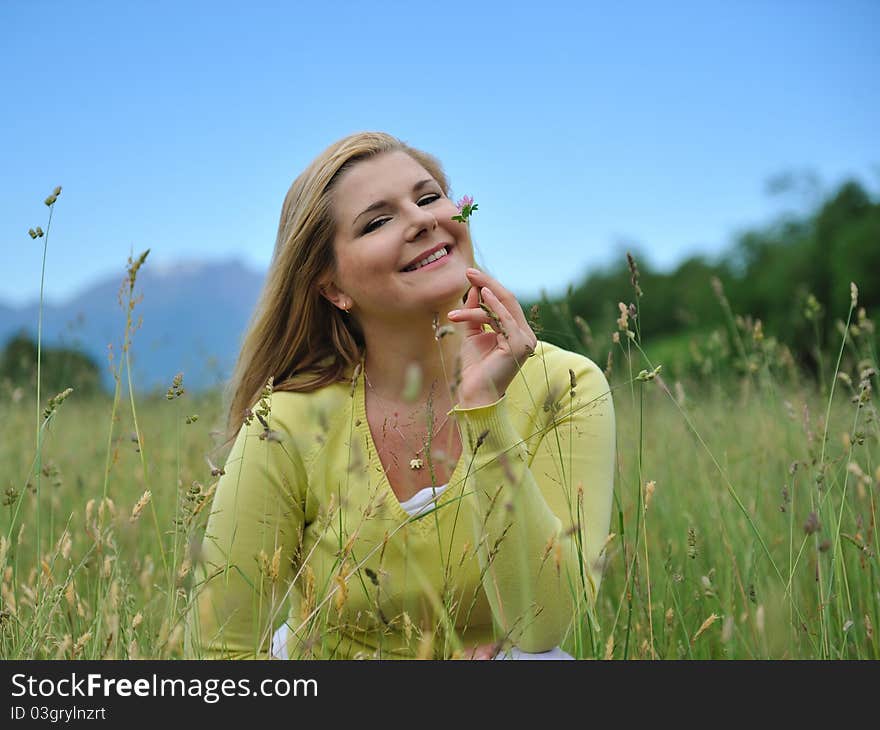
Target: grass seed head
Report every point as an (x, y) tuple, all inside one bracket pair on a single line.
[(139, 507), (705, 625)]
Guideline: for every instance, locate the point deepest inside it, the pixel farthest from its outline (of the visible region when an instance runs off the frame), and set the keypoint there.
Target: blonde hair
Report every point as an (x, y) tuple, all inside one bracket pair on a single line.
[(296, 336)]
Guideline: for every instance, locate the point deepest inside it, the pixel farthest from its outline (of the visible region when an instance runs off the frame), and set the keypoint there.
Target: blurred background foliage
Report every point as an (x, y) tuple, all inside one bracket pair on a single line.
[(793, 275)]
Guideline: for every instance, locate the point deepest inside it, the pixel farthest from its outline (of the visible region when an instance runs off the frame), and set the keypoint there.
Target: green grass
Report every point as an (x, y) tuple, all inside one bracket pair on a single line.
[(744, 523)]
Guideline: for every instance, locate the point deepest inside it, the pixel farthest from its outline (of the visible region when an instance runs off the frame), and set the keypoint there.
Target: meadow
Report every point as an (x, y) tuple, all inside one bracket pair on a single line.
[(744, 524)]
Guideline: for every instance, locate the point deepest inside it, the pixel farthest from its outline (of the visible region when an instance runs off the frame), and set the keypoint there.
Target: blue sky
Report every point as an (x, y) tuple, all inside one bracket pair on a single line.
[(581, 129)]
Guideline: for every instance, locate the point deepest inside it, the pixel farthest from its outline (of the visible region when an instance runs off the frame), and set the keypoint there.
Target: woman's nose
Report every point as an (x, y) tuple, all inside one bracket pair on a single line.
[(421, 219)]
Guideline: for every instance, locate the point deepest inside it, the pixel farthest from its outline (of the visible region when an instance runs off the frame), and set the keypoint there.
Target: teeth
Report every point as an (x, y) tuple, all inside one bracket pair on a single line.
[(433, 257)]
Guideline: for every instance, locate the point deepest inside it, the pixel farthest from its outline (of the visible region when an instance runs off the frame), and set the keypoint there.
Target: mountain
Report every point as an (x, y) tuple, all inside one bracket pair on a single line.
[(193, 317)]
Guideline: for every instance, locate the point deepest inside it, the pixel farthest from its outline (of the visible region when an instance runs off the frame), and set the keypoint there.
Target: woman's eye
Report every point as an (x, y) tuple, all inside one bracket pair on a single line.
[(373, 225)]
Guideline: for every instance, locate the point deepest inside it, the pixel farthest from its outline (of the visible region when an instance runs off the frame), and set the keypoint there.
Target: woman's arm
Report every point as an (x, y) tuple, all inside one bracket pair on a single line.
[(541, 535), (250, 540)]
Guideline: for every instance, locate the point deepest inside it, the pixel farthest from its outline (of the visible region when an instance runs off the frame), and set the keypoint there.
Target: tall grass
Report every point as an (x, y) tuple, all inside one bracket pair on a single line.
[(744, 523)]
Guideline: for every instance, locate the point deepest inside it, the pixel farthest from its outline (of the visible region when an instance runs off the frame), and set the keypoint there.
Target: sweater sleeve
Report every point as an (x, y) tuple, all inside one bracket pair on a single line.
[(543, 511), (248, 553)]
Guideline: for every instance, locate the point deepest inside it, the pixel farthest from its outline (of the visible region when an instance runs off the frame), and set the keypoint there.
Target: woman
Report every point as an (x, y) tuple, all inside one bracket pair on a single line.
[(414, 473)]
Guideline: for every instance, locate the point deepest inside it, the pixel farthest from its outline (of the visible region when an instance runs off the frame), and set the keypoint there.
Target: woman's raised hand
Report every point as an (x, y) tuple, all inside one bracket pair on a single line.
[(490, 360)]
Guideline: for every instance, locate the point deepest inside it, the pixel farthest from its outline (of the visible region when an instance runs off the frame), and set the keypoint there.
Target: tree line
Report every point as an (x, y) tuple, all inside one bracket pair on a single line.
[(794, 275)]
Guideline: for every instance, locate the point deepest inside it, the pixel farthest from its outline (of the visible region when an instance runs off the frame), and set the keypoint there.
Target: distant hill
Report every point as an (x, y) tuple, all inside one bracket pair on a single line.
[(194, 315)]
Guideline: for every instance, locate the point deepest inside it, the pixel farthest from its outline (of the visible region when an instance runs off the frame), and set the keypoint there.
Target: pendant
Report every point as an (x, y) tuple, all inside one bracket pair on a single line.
[(415, 463)]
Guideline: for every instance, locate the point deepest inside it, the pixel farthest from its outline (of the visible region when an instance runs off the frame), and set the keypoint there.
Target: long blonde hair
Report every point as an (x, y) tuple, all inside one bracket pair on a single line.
[(295, 335)]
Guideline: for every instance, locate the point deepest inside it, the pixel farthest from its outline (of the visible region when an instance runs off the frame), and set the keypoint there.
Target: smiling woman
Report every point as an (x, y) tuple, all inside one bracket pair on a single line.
[(352, 523)]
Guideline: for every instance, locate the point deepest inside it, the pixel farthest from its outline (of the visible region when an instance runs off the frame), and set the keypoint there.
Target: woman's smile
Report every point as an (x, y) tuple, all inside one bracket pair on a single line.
[(440, 257)]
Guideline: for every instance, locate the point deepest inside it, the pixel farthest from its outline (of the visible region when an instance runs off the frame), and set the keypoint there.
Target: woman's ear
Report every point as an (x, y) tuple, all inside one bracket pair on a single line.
[(333, 295)]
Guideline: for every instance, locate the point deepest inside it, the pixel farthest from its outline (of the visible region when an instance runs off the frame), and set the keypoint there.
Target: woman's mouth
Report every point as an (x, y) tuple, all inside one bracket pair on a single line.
[(435, 260)]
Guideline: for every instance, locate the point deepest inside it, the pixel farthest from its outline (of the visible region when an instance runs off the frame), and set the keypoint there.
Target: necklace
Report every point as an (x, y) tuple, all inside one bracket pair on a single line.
[(416, 462)]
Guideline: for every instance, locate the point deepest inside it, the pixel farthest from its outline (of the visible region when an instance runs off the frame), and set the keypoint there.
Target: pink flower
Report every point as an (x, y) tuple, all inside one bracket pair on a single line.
[(465, 200), (466, 206)]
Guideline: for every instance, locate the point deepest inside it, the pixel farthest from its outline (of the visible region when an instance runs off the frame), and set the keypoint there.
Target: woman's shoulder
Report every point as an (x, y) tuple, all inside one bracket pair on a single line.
[(302, 414), (551, 365), (297, 404)]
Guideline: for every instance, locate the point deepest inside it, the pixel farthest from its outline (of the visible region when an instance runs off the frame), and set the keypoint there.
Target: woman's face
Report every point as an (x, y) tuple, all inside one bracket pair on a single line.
[(375, 247)]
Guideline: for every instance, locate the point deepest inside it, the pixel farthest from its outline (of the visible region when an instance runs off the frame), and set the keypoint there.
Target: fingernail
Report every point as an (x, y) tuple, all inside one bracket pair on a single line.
[(453, 313), (473, 271)]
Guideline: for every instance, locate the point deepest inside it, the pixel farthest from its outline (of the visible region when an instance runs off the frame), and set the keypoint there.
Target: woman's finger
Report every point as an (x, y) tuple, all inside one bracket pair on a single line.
[(522, 341), (471, 302), (481, 278)]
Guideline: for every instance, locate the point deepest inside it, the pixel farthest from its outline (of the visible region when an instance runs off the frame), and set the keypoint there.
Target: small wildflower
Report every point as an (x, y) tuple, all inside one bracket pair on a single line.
[(853, 294), (32, 233), (615, 337), (480, 439), (39, 232), (812, 524), (193, 418), (466, 207)]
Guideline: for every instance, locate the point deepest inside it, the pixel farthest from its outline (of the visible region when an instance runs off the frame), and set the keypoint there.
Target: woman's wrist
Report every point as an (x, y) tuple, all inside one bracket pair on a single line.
[(477, 400)]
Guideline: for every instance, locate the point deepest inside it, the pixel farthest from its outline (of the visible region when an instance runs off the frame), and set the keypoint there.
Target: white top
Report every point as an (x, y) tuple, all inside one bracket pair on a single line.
[(421, 499)]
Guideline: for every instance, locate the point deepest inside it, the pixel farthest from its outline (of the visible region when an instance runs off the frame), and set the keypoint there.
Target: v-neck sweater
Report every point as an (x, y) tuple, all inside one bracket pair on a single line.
[(305, 528)]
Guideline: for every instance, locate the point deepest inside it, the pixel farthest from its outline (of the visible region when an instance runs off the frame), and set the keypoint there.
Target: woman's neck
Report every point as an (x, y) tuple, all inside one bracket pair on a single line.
[(392, 351)]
